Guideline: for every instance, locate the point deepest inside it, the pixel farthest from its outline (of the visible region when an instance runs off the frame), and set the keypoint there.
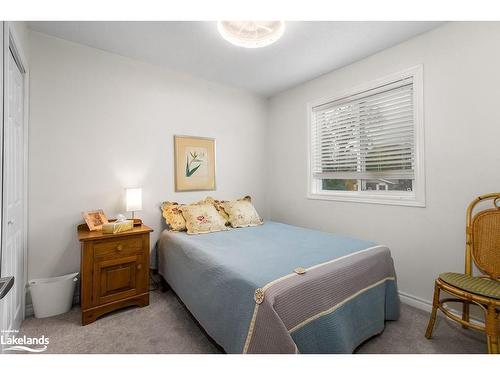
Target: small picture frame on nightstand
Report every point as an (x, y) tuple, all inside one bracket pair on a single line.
[(95, 219)]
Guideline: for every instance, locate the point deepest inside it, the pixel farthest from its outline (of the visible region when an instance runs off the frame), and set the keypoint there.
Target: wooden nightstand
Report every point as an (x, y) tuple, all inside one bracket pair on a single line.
[(114, 270)]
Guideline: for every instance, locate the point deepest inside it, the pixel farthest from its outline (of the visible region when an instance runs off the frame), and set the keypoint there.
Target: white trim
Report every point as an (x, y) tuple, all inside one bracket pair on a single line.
[(2, 25), (251, 328), (359, 197), (29, 311), (10, 41), (416, 302), (417, 197), (21, 56), (425, 305)]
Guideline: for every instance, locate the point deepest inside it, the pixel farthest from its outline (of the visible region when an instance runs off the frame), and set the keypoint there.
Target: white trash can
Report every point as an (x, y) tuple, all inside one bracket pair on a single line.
[(52, 296)]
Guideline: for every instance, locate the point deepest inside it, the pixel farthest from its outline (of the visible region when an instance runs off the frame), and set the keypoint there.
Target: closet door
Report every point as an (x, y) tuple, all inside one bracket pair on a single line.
[(3, 319), (13, 198)]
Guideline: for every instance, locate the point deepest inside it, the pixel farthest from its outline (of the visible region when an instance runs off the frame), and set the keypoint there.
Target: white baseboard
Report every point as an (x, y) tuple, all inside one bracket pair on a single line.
[(29, 312), (425, 305), (416, 302)]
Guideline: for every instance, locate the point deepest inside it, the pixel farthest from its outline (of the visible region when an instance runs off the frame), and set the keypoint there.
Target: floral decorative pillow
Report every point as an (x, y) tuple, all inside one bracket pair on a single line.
[(202, 218), (173, 216), (218, 206), (242, 213)]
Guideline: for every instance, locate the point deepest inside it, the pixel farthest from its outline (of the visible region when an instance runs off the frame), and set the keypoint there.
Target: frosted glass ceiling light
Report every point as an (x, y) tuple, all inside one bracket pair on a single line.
[(251, 34)]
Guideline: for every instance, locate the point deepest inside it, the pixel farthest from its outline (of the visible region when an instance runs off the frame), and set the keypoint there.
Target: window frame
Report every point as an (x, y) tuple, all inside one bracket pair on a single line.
[(414, 198)]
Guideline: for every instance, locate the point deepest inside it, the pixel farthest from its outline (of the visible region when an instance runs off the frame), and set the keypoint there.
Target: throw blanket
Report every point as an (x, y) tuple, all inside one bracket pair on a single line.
[(277, 288)]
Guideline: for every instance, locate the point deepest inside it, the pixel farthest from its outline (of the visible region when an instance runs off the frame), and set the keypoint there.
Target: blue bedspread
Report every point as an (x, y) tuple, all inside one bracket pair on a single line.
[(217, 274)]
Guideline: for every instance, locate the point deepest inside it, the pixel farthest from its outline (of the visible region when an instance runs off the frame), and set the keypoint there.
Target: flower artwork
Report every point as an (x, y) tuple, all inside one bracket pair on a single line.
[(194, 163), (190, 168)]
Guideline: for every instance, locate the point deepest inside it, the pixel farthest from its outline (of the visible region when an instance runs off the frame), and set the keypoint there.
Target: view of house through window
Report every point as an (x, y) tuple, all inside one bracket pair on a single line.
[(373, 184)]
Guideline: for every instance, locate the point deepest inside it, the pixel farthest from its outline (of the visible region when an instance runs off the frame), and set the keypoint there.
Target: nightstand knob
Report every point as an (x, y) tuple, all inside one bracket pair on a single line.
[(139, 266), (119, 247)]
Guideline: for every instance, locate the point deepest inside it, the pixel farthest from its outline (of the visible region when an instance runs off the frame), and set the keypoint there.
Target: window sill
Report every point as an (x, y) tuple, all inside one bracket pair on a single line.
[(393, 200)]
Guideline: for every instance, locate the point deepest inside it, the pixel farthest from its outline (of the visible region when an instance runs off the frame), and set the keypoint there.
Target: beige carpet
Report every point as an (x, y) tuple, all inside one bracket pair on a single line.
[(165, 326)]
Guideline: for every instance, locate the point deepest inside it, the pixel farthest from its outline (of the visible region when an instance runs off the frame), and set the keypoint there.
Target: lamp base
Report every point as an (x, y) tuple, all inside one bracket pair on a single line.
[(137, 222)]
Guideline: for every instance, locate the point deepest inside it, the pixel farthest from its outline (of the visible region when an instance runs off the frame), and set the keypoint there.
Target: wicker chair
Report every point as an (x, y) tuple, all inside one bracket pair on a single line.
[(483, 247)]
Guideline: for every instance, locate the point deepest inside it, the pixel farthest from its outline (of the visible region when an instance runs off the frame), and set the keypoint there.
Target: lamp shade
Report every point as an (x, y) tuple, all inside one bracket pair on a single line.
[(133, 199)]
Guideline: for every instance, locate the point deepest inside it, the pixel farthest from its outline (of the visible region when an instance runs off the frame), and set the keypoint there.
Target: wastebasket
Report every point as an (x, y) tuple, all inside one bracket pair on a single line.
[(52, 296)]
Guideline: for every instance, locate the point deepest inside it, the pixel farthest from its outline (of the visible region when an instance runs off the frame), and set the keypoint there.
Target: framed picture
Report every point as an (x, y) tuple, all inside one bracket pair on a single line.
[(194, 161), (95, 219)]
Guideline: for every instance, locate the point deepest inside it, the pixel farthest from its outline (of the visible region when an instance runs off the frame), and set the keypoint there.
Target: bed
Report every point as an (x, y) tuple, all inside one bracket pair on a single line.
[(277, 288)]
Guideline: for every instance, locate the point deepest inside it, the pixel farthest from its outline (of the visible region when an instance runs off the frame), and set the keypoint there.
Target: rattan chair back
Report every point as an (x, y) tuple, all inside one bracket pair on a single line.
[(483, 237)]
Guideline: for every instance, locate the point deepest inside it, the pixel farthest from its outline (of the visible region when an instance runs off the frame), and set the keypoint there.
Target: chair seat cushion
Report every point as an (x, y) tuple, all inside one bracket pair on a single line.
[(476, 285)]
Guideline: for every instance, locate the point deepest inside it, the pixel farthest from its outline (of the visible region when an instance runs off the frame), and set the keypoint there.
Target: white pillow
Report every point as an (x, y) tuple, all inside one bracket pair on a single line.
[(242, 213)]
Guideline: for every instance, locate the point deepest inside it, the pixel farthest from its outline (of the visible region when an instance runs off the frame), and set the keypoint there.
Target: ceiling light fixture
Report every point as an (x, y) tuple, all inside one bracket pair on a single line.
[(251, 34)]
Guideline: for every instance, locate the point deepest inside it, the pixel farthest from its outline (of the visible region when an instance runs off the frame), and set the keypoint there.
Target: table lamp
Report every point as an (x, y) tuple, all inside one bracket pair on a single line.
[(133, 199)]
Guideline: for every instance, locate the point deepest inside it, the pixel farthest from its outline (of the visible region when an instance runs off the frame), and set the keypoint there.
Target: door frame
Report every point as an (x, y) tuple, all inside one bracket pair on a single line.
[(11, 42)]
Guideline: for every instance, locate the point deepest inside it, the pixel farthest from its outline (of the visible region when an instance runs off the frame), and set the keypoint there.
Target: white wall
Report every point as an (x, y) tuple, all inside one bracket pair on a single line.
[(462, 140), (101, 122)]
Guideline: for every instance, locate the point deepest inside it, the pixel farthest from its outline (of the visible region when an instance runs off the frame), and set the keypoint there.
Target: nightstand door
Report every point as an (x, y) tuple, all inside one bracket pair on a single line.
[(119, 277)]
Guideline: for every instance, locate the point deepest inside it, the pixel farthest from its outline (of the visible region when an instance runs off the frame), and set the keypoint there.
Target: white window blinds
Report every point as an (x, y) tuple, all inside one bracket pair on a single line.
[(367, 135)]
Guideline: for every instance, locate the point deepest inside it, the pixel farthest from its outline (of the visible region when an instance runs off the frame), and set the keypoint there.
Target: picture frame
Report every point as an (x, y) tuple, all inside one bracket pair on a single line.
[(194, 163), (95, 219)]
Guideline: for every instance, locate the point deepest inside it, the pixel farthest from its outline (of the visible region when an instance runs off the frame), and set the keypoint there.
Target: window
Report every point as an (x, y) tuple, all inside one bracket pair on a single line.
[(367, 144)]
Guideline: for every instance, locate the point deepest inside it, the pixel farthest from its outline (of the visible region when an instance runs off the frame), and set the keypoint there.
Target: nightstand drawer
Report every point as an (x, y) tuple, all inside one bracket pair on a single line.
[(118, 247)]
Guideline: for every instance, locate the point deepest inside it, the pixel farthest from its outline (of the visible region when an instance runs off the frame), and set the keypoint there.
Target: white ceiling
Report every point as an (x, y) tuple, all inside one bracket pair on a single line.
[(307, 50)]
